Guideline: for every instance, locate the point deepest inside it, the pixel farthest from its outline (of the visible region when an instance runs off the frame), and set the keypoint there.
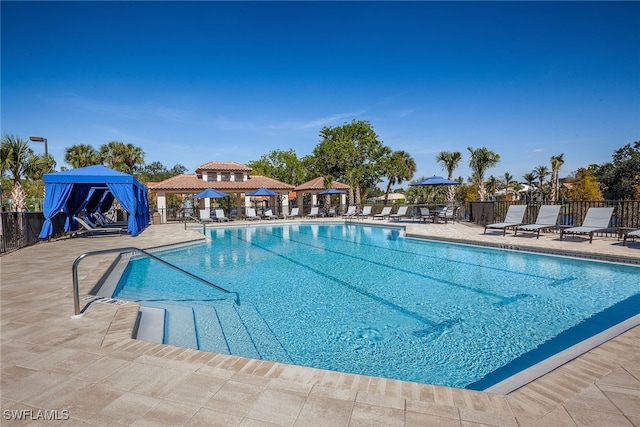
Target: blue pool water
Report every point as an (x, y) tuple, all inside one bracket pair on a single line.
[(366, 300)]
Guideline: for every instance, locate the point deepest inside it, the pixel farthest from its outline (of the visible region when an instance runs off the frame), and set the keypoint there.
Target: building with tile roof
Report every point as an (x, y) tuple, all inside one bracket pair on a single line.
[(230, 177)]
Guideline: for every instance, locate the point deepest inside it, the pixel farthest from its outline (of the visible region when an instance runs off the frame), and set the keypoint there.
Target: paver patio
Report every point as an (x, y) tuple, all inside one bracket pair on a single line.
[(90, 371)]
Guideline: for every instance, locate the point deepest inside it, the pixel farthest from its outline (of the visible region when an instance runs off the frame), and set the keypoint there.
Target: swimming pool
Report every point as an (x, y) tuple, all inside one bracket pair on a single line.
[(366, 300)]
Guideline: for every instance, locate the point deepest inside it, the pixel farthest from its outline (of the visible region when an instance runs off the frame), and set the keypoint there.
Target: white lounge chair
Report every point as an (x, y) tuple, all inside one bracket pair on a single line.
[(205, 215), (634, 233), (314, 212), (294, 213), (251, 214), (547, 219), (268, 214), (351, 212), (366, 211), (386, 211), (220, 216), (515, 215), (597, 219), (91, 230), (402, 212)]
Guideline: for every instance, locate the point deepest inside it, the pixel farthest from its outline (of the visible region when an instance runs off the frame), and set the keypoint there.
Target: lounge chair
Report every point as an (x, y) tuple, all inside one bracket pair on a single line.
[(205, 215), (386, 211), (314, 212), (515, 215), (251, 214), (634, 233), (366, 211), (597, 219), (220, 216), (91, 230), (268, 214), (350, 213), (425, 214), (402, 212), (547, 219), (294, 213), (444, 214)]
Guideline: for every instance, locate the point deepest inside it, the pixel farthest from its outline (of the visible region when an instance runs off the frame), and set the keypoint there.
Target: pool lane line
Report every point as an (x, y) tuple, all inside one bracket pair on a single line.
[(374, 297), (413, 241), (503, 300)]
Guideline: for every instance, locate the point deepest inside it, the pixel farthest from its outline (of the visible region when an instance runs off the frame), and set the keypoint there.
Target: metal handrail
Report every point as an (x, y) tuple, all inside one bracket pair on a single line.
[(76, 287)]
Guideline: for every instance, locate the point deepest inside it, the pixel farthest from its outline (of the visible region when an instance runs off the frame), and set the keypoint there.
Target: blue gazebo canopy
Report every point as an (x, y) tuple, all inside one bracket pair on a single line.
[(89, 189)]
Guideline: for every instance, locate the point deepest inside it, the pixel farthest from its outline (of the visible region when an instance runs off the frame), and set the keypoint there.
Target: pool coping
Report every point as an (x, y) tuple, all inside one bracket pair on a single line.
[(503, 387)]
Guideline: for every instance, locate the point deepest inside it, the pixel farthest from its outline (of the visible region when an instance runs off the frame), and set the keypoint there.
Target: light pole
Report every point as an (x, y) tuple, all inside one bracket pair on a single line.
[(41, 139)]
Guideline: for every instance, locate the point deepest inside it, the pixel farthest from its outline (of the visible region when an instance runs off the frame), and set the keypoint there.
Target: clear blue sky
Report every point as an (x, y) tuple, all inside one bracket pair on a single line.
[(231, 81)]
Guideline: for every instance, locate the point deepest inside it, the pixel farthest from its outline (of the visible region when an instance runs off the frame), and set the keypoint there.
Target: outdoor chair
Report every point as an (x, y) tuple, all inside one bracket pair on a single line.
[(294, 213), (402, 212), (92, 230), (205, 215), (251, 214), (425, 215), (634, 233), (268, 214), (547, 219), (314, 212), (515, 215), (366, 211), (220, 216), (350, 213), (386, 211), (596, 220)]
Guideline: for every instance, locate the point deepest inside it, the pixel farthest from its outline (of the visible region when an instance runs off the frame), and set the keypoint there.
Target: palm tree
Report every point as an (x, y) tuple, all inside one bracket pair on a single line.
[(529, 178), (17, 158), (122, 157), (398, 167), (480, 160), (450, 161), (542, 171), (508, 179), (491, 184), (81, 155), (556, 164)]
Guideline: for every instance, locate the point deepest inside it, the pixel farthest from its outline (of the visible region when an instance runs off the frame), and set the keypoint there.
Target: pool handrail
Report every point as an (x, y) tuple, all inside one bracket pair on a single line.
[(76, 263)]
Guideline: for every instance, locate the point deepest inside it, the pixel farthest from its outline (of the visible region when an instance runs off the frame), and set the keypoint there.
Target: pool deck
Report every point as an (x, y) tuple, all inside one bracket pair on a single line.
[(90, 369)]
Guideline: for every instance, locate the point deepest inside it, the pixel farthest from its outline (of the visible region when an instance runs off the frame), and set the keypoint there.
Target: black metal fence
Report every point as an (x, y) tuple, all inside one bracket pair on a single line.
[(626, 213), (20, 229)]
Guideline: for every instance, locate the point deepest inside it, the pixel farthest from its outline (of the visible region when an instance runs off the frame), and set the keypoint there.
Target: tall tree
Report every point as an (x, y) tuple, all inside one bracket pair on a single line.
[(529, 178), (621, 177), (480, 160), (352, 154), (281, 165), (556, 164), (450, 161), (398, 167), (81, 155), (542, 171), (507, 180), (122, 157), (585, 187), (156, 171), (18, 159)]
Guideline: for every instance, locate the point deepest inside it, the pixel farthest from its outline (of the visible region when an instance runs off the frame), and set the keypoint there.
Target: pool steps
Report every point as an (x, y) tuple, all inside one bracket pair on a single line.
[(218, 327)]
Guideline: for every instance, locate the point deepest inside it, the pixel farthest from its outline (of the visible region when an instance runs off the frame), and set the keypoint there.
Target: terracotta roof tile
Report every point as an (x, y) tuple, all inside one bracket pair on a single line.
[(192, 184), (223, 167), (318, 184)]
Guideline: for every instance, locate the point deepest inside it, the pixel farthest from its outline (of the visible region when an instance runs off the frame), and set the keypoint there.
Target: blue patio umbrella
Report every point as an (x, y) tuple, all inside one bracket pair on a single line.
[(262, 192), (331, 191), (210, 193), (436, 180)]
